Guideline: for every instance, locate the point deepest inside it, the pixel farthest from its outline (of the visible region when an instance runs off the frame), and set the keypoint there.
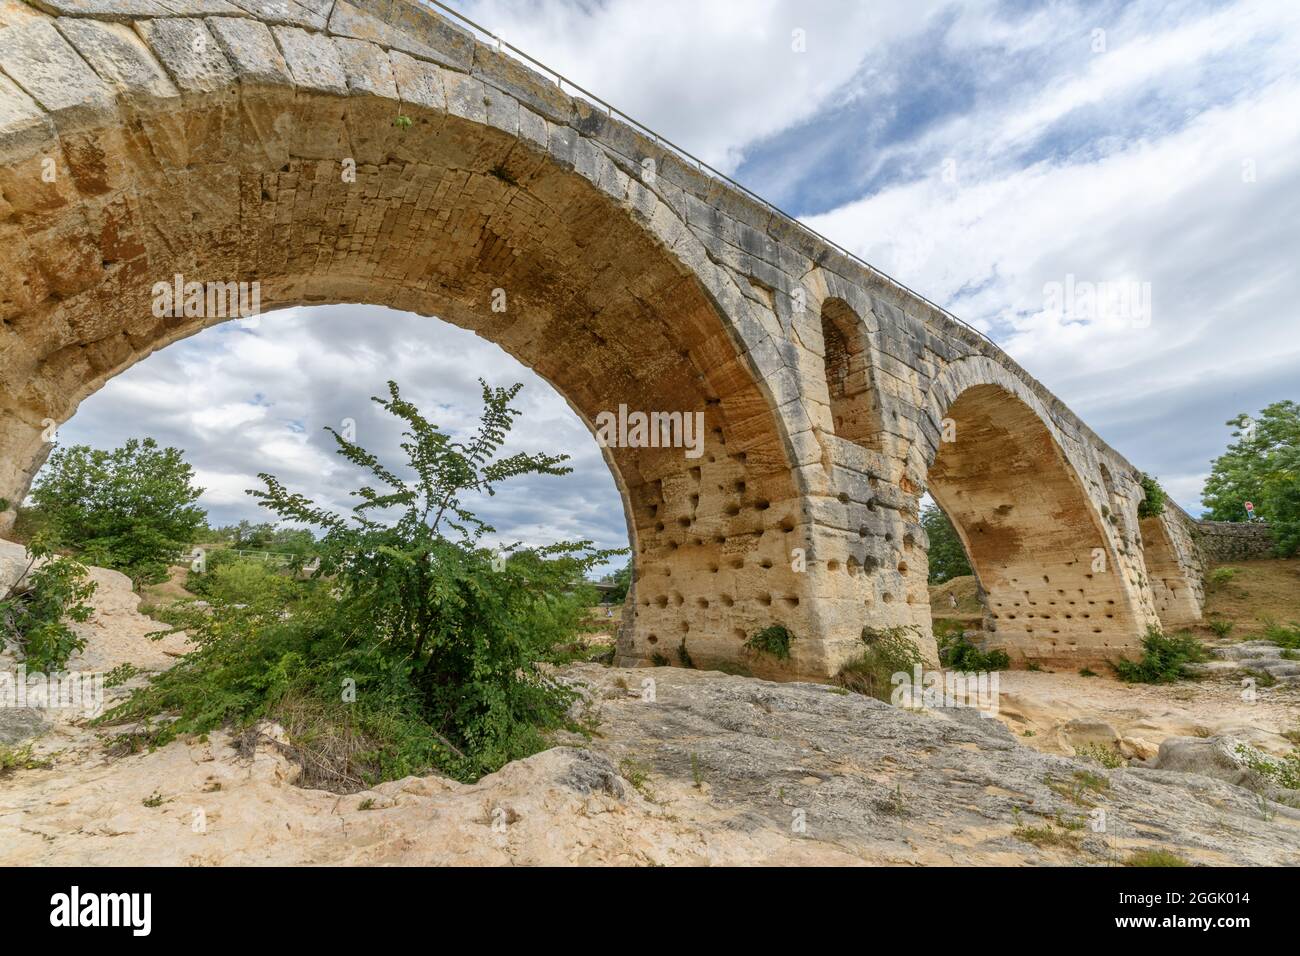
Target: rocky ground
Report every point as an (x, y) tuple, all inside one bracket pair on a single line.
[(689, 767)]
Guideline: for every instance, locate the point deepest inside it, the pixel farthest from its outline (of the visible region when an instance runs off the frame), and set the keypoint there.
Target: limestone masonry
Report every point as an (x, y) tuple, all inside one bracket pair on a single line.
[(372, 151)]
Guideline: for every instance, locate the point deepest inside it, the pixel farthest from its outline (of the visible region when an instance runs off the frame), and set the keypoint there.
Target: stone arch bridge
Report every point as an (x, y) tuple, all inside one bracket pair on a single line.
[(371, 151)]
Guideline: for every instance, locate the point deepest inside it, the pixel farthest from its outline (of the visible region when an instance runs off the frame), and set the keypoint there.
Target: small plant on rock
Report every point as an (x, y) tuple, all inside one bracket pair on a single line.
[(774, 641), (1108, 758), (1221, 628), (1153, 501), (1162, 858), (889, 651)]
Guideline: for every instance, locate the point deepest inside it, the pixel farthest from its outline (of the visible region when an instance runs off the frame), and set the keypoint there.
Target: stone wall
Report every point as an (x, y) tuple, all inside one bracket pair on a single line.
[(1224, 541)]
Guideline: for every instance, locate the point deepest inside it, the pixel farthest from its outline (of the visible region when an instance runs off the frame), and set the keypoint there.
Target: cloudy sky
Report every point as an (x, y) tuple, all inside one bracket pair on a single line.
[(986, 154)]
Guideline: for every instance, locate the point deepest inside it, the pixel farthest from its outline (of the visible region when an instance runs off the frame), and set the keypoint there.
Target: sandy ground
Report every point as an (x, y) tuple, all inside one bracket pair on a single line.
[(713, 773)]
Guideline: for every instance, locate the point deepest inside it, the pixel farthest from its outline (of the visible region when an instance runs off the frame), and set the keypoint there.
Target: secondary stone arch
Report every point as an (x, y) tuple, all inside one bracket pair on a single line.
[(847, 360), (1057, 590), (320, 196)]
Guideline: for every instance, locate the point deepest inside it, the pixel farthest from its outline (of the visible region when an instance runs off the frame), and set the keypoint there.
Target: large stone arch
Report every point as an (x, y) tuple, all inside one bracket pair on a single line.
[(330, 169), (374, 151), (1059, 586)]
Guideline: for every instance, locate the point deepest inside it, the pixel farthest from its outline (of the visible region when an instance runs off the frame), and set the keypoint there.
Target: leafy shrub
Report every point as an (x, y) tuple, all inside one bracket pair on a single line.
[(683, 655), (1153, 500), (774, 640), (1098, 753), (1283, 635), (131, 509), (961, 655), (35, 612), (1283, 771), (1221, 628), (1218, 578), (888, 651), (231, 578), (1163, 658), (410, 649), (1262, 678)]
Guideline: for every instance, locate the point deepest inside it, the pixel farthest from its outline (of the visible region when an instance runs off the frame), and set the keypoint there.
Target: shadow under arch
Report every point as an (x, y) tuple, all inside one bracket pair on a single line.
[(847, 360), (575, 269), (1054, 588)]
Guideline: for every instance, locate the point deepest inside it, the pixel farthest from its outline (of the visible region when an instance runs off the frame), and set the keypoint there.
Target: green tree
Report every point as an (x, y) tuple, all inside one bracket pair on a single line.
[(447, 644), (131, 508), (947, 556), (622, 580), (1262, 466), (267, 536)]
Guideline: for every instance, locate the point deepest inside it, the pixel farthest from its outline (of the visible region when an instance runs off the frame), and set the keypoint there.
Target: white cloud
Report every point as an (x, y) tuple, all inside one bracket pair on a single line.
[(711, 76)]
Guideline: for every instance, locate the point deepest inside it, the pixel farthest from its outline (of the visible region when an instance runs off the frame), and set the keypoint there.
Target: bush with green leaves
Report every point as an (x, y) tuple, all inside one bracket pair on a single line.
[(414, 646), (1153, 498), (1221, 628), (1284, 635), (265, 536), (230, 576), (36, 610), (1283, 771), (959, 654), (1164, 658), (888, 651), (773, 641), (131, 509)]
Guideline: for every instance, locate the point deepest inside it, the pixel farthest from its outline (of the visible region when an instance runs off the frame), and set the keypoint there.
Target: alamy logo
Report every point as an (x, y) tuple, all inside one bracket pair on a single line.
[(935, 690), (103, 909), (651, 430), (65, 690), (206, 300), (1123, 304)]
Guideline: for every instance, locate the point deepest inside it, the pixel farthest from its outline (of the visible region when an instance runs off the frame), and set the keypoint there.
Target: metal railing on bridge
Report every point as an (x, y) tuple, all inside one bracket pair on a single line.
[(663, 142)]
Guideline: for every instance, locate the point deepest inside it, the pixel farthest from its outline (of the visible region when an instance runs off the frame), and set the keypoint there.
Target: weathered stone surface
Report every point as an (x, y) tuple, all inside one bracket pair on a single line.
[(830, 398), (1223, 758), (406, 27), (189, 52), (251, 51), (1224, 541), (367, 68), (123, 11), (289, 12), (37, 58), (418, 82), (120, 57), (21, 119), (313, 60)]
